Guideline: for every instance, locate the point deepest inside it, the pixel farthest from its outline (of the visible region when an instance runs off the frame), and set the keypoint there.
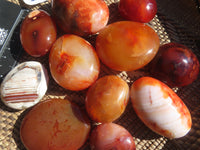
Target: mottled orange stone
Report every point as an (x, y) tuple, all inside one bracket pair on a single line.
[(55, 124), (106, 99), (80, 17), (126, 45), (73, 62)]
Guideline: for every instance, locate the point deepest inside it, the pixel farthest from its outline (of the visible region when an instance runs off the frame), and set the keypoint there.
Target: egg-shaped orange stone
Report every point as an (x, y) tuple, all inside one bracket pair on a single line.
[(73, 62), (54, 124), (126, 45), (107, 98)]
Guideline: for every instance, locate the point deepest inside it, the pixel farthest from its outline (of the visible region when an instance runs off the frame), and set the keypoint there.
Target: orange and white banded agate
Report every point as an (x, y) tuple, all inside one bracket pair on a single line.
[(160, 108)]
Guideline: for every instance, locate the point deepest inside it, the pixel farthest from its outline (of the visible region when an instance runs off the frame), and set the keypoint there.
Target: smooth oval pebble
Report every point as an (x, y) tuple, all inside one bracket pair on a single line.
[(160, 108), (127, 45), (73, 63), (55, 124), (175, 64), (80, 17), (107, 98), (25, 85), (111, 136)]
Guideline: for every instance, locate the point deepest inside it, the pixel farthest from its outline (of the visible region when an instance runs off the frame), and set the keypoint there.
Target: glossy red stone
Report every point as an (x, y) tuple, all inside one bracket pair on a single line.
[(175, 64), (80, 17), (55, 124), (107, 98), (138, 10), (111, 136), (38, 32)]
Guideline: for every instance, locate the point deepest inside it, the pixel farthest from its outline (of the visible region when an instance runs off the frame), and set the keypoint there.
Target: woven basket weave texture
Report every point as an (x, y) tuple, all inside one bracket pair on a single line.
[(176, 21)]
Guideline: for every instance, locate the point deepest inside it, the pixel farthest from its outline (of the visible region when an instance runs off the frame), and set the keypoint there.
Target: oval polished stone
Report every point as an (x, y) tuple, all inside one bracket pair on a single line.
[(111, 136), (126, 45), (107, 98), (160, 108), (80, 17), (38, 32), (25, 85), (73, 62), (175, 64), (55, 124)]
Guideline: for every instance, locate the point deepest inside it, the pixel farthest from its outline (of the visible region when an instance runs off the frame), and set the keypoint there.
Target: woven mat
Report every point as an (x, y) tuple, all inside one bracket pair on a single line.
[(176, 21)]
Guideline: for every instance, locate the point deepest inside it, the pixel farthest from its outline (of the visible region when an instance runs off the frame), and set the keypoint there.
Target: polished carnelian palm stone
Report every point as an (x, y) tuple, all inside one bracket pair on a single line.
[(175, 64), (107, 98), (126, 45), (55, 124)]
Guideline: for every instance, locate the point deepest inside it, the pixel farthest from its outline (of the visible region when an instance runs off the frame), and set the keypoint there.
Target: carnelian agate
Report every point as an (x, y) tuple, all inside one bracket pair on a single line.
[(80, 17), (111, 136), (73, 62), (107, 98), (54, 124), (175, 64), (138, 10), (38, 33), (126, 45), (160, 108)]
